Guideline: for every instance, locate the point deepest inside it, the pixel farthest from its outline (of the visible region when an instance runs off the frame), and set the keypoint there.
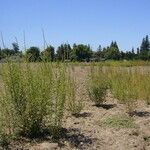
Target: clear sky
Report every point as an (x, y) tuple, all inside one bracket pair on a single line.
[(91, 22)]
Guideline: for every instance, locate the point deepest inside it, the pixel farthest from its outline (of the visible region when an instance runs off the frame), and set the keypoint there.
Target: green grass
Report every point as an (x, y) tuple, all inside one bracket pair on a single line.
[(112, 63), (118, 122)]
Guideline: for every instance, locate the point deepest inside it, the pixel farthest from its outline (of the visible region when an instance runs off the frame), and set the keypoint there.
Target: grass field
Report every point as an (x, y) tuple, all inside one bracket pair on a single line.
[(103, 105)]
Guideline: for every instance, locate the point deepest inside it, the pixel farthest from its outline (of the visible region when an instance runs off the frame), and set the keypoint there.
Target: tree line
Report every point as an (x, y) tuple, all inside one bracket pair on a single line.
[(79, 52)]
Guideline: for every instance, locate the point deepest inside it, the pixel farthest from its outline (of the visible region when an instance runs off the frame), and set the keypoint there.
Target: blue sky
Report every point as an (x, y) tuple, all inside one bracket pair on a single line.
[(82, 21)]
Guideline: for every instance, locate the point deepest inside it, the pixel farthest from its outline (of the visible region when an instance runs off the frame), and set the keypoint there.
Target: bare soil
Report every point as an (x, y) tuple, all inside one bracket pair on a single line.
[(84, 131)]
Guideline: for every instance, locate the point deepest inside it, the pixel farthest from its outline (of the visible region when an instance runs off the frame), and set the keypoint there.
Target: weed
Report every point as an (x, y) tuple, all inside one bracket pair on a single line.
[(118, 122), (98, 85), (75, 105), (33, 98)]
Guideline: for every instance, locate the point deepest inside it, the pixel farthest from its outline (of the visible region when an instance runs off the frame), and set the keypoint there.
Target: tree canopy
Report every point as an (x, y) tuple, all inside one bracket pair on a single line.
[(80, 52)]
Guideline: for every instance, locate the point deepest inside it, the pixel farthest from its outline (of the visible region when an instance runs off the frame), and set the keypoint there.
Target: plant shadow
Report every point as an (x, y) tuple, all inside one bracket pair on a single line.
[(105, 106), (76, 139), (140, 113), (82, 115)]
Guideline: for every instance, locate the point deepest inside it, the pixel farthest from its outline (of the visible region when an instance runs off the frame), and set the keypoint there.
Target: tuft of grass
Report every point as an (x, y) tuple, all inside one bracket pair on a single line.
[(118, 122)]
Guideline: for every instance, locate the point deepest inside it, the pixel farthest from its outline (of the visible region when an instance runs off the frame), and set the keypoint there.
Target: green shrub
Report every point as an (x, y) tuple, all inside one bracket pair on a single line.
[(33, 98), (98, 85), (97, 93)]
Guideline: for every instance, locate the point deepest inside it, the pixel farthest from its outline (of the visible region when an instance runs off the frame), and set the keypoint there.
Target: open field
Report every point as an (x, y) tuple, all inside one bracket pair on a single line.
[(83, 106)]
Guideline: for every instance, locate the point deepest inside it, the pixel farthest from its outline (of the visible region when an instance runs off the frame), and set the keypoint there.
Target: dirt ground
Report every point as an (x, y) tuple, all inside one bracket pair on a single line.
[(84, 131)]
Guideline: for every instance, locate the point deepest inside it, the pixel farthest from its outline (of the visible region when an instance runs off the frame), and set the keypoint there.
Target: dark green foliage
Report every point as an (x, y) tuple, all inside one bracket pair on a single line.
[(112, 52), (7, 52), (81, 52), (48, 54), (63, 52), (15, 47), (145, 49), (33, 54), (99, 54)]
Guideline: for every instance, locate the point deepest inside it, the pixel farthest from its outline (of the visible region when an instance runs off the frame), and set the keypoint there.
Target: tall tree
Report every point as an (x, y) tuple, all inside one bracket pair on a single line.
[(145, 49), (48, 54), (99, 53), (112, 52), (63, 52), (81, 52), (33, 54), (15, 47)]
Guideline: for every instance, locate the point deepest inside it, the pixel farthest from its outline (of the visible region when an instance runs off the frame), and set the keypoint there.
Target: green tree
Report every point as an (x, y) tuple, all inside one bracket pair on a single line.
[(33, 54), (138, 53), (6, 52), (63, 52), (112, 52), (48, 54), (145, 49), (81, 52), (122, 55), (129, 55), (1, 53), (15, 47), (99, 53)]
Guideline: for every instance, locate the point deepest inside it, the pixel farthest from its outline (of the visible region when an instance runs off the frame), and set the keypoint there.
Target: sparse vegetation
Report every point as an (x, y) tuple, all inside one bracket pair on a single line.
[(34, 97), (74, 106), (118, 122), (74, 75), (124, 88)]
